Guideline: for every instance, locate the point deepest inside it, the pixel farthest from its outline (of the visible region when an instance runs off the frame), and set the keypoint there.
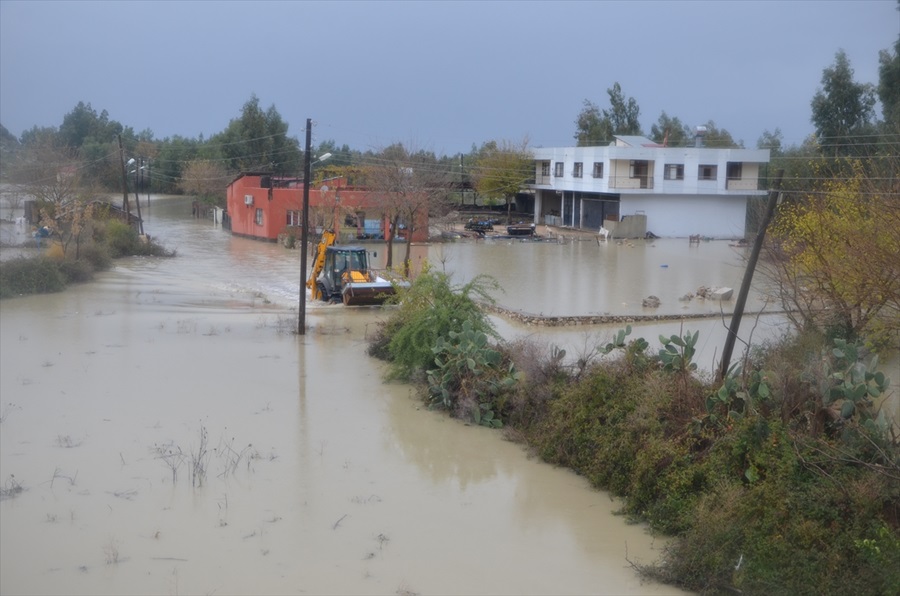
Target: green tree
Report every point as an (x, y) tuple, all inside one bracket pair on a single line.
[(595, 127), (623, 113), (671, 130), (258, 141), (83, 123), (502, 170), (719, 137), (174, 154), (771, 141), (842, 109), (590, 127), (889, 86), (9, 146)]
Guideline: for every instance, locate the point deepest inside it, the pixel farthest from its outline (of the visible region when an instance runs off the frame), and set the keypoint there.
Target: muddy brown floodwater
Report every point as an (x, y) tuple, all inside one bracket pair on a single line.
[(164, 431)]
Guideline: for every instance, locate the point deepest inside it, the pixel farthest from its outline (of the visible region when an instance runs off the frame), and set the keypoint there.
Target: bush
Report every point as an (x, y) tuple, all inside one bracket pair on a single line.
[(76, 271), (23, 276), (430, 309), (97, 255), (121, 239)]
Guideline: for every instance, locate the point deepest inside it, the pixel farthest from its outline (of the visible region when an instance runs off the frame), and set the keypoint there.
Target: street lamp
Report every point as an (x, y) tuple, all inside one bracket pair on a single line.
[(137, 198), (304, 231)]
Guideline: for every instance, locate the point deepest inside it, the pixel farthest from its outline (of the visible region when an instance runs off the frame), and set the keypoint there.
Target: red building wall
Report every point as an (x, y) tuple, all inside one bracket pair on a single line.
[(267, 214)]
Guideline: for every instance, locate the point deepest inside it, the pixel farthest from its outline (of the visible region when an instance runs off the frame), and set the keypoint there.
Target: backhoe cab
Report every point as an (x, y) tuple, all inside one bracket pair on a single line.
[(341, 273)]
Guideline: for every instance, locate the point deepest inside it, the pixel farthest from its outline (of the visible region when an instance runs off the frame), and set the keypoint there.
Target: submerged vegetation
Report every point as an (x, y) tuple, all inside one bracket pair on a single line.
[(83, 239), (782, 478)]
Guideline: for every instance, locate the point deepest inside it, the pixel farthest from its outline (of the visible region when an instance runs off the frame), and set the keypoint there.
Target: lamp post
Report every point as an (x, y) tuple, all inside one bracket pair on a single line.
[(137, 198), (304, 231)]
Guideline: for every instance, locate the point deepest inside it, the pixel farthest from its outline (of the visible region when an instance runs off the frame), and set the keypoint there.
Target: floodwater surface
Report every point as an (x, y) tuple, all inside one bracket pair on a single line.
[(164, 431)]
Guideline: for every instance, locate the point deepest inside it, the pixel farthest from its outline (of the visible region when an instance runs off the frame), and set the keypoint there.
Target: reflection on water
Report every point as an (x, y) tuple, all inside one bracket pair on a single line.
[(315, 476)]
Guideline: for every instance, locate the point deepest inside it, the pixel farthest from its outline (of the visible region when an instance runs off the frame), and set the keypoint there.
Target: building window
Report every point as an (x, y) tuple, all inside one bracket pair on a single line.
[(545, 168), (706, 172), (293, 218), (598, 169), (674, 171), (259, 217), (558, 169), (637, 168), (578, 169), (735, 170)]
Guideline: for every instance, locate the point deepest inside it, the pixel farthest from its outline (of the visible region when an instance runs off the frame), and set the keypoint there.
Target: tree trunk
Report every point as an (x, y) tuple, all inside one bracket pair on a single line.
[(392, 227), (406, 259)]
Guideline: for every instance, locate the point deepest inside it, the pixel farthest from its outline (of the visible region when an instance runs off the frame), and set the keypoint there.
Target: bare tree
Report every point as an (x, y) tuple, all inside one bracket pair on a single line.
[(48, 172), (408, 186)]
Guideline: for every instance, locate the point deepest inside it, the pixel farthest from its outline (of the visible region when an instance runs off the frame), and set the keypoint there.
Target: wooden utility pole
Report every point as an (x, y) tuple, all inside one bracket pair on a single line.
[(125, 206), (304, 231), (137, 198), (774, 196)]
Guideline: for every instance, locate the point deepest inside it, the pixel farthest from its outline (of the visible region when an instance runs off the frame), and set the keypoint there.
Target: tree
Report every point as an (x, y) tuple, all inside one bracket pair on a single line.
[(623, 114), (206, 179), (833, 255), (590, 127), (889, 86), (719, 137), (48, 171), (501, 171), (83, 123), (771, 141), (258, 141), (407, 185), (842, 109), (671, 131), (593, 127), (172, 155), (9, 146)]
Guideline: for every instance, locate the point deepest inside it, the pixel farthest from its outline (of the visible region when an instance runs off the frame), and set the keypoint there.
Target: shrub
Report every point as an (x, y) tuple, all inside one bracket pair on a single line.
[(22, 276), (76, 271), (97, 255), (431, 308), (121, 239)]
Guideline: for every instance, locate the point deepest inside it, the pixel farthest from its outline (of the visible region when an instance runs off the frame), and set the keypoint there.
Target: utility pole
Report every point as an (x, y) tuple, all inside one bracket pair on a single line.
[(137, 197), (304, 231), (774, 196), (125, 207)]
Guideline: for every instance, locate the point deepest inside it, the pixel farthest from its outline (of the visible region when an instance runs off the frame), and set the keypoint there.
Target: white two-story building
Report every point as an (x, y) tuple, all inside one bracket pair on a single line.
[(682, 191)]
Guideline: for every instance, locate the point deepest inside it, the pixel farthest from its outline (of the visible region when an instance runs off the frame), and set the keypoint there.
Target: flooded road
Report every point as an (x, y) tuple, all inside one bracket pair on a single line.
[(170, 435)]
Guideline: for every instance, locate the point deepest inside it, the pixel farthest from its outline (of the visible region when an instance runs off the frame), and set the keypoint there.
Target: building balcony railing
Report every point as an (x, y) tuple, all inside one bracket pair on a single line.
[(742, 184), (627, 182)]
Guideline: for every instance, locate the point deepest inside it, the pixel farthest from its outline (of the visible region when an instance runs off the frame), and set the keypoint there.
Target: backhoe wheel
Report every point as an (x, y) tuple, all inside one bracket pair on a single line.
[(323, 293)]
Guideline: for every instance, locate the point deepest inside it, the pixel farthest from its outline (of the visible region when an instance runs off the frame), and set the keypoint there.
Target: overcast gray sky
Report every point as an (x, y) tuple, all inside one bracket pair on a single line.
[(434, 75)]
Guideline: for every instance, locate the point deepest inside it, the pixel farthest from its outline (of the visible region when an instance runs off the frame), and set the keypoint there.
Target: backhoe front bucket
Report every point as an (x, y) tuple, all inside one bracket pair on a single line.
[(358, 294)]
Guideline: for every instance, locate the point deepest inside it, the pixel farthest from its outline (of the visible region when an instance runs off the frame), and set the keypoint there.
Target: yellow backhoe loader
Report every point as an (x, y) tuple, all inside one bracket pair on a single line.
[(342, 273)]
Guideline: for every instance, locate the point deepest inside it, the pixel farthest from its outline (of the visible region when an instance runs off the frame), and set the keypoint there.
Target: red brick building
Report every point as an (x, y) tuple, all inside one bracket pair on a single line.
[(262, 206)]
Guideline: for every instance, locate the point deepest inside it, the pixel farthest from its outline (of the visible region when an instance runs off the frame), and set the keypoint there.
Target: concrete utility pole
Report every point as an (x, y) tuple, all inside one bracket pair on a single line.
[(774, 197)]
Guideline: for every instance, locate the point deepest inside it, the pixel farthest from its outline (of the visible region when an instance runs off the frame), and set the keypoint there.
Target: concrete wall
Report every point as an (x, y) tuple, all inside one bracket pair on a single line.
[(712, 217), (631, 226)]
